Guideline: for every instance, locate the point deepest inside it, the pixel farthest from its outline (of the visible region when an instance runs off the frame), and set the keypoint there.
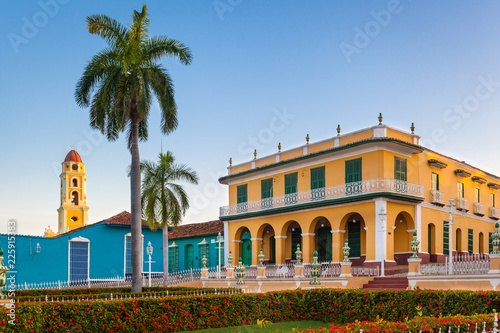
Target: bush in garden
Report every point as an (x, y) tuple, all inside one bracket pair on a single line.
[(174, 314)]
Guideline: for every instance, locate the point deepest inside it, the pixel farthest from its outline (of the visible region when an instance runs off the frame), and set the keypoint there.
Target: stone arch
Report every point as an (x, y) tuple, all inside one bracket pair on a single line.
[(268, 244), (292, 230), (354, 227), (322, 243), (242, 238), (402, 228)]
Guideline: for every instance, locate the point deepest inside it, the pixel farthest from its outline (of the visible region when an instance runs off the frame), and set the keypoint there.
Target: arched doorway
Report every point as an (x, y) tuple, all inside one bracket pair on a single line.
[(458, 240), (402, 230), (355, 232), (431, 241), (323, 231), (293, 232), (246, 249), (266, 233), (481, 243)]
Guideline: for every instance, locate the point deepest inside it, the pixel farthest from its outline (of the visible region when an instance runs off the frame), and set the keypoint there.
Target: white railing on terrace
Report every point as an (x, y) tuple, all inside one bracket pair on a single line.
[(494, 213), (365, 271), (370, 186), (217, 273), (437, 197), (156, 281), (462, 264), (280, 271), (478, 208)]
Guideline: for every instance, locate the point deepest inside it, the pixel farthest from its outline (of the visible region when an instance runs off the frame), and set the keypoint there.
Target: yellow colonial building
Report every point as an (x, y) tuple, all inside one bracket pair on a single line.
[(374, 187)]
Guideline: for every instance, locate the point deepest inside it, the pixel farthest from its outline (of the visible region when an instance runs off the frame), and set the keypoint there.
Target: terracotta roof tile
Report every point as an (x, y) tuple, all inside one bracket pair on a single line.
[(122, 219), (197, 229)]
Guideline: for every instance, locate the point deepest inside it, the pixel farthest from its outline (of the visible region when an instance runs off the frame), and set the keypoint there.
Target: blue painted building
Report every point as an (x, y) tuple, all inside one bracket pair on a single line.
[(102, 250)]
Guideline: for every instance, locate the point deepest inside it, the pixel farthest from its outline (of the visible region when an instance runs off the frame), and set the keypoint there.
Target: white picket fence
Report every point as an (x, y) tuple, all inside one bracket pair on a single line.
[(156, 281), (462, 264), (90, 297)]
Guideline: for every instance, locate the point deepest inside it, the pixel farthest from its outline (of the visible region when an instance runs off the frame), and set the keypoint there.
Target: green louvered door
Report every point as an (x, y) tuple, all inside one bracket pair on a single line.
[(353, 177)]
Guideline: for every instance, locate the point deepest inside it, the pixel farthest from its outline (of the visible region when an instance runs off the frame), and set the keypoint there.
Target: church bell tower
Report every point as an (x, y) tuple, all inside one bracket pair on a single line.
[(73, 212)]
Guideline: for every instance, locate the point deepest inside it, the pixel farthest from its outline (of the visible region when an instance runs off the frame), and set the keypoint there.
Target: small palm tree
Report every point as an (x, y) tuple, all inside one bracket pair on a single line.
[(164, 202), (118, 84)]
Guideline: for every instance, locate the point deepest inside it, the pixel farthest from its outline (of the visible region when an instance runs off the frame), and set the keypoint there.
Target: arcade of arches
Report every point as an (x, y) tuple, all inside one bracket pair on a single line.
[(325, 231)]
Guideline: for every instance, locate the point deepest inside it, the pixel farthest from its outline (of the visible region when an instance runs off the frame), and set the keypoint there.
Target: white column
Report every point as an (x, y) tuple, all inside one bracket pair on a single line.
[(380, 237), (226, 242), (418, 223)]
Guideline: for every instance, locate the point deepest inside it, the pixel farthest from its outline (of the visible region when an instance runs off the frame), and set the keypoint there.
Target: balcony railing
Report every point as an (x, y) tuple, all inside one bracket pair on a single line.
[(437, 197), (462, 204), (370, 186), (478, 209), (494, 214)]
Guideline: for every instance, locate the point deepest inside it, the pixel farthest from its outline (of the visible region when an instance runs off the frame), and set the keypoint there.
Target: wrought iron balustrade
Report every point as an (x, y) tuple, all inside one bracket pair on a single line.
[(349, 190)]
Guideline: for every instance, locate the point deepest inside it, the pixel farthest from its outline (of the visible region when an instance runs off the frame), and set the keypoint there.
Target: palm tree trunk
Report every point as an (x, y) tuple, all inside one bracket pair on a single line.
[(135, 210), (165, 254)]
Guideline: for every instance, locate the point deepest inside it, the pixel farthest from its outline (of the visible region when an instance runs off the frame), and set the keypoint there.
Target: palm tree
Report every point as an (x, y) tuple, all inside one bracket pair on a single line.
[(118, 84), (164, 202)]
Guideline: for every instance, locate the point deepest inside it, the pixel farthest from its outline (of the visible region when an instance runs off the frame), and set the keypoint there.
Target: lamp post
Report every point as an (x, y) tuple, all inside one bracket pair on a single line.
[(450, 237), (149, 250), (382, 216), (220, 239)]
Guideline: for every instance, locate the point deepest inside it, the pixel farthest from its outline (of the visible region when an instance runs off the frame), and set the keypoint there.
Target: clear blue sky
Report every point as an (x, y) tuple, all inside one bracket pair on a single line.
[(427, 63)]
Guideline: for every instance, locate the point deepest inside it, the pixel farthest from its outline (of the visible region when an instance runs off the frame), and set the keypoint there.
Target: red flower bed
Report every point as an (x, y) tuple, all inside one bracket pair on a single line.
[(176, 314)]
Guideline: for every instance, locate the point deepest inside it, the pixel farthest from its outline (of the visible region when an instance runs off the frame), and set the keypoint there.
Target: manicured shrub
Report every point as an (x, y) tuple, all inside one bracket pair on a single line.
[(174, 314), (88, 291)]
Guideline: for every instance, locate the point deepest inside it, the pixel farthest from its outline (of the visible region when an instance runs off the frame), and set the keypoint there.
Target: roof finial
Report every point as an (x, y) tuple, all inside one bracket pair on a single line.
[(380, 118), (279, 147), (307, 138), (412, 127), (255, 154), (230, 161), (338, 130)]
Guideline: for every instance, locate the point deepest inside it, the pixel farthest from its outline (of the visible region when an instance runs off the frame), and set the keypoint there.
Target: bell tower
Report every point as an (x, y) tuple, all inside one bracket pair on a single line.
[(73, 212)]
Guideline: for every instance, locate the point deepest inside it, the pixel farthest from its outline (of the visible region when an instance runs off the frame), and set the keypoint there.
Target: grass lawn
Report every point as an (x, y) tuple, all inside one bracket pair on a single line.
[(285, 327)]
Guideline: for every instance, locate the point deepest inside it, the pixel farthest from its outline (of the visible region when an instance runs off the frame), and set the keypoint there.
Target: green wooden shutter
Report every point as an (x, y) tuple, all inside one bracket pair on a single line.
[(242, 193), (189, 259), (354, 239), (446, 238), (291, 188), (266, 190), (399, 168), (318, 182), (241, 198), (353, 174), (173, 259), (470, 241), (317, 178)]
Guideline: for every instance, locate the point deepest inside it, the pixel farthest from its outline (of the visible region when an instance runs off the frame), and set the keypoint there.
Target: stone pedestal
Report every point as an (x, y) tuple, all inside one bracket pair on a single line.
[(230, 272), (261, 272), (494, 264), (204, 273), (414, 266), (345, 268), (299, 271)]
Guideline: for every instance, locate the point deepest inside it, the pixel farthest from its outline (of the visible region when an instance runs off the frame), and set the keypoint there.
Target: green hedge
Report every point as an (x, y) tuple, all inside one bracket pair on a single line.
[(89, 291), (175, 314)]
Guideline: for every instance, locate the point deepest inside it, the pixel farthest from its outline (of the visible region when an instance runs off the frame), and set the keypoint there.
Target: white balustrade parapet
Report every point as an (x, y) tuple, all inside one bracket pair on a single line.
[(478, 208), (494, 213), (437, 197), (462, 203), (349, 190)]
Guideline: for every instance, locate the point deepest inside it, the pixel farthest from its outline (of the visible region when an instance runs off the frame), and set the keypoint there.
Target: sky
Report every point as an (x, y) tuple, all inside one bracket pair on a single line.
[(263, 72)]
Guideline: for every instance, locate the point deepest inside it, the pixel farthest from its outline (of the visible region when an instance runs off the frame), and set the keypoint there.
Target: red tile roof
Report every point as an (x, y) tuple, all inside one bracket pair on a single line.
[(182, 231), (122, 219), (197, 229), (73, 156)]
